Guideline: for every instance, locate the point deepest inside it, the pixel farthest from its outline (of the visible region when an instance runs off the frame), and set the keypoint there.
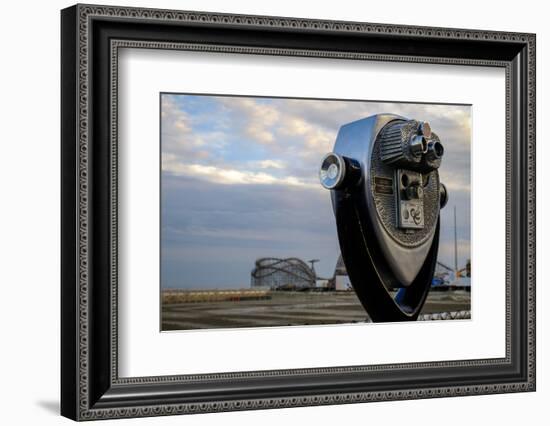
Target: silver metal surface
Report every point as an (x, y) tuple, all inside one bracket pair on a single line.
[(410, 199), (404, 252), (400, 144), (410, 144), (385, 205), (434, 154), (418, 145)]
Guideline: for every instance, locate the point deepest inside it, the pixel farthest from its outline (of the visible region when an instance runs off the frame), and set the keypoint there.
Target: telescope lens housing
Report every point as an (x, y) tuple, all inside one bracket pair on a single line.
[(435, 151), (333, 171), (418, 145), (410, 144), (339, 172), (386, 195)]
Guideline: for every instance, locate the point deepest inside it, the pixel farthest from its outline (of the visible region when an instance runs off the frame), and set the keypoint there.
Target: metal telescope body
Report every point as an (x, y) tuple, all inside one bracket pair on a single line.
[(386, 197)]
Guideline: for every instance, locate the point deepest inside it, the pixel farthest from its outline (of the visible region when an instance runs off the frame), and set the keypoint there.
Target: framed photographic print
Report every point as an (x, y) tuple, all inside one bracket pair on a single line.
[(263, 212)]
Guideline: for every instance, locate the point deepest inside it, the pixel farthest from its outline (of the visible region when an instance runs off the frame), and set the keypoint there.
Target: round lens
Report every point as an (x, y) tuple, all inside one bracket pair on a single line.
[(332, 171)]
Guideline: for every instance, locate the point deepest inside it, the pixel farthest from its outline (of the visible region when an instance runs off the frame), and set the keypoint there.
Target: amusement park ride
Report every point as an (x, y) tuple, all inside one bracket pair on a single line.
[(386, 196)]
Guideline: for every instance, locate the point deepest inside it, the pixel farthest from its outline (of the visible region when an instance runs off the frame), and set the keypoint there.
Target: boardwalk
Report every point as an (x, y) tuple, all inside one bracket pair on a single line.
[(289, 308)]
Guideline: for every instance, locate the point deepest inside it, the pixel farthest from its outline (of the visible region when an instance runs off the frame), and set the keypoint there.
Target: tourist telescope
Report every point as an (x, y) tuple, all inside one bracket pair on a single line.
[(386, 195)]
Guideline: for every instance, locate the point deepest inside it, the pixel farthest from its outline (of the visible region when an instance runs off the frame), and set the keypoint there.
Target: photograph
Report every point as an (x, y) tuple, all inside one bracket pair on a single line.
[(268, 208), (300, 212)]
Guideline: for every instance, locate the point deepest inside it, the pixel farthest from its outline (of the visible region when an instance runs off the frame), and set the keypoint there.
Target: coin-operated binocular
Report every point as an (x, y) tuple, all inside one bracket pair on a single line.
[(386, 195)]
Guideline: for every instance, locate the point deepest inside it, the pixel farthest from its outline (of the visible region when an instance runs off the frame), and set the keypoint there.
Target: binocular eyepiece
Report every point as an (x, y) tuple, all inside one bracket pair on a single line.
[(403, 144), (410, 144)]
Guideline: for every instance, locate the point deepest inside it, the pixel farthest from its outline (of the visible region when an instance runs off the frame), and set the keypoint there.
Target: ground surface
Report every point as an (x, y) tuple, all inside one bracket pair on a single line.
[(290, 308)]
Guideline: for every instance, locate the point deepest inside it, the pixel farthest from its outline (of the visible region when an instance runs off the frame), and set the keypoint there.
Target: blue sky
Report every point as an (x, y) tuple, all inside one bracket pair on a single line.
[(240, 181)]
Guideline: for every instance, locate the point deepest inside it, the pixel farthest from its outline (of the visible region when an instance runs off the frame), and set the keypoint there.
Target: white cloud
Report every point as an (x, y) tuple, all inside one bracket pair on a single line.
[(179, 136), (227, 176), (292, 135), (314, 137), (269, 164), (257, 118), (454, 186)]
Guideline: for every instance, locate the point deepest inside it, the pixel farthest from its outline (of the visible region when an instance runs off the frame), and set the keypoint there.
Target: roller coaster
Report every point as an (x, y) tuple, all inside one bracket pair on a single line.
[(282, 274)]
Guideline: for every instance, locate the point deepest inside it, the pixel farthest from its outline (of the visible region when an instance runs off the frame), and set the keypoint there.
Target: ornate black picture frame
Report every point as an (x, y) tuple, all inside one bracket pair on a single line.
[(90, 38)]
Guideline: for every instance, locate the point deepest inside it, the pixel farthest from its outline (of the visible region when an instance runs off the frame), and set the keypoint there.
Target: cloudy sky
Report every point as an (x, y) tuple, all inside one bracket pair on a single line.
[(239, 181)]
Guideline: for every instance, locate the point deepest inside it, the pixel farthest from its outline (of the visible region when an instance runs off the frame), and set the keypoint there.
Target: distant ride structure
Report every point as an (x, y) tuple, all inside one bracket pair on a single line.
[(294, 274), (340, 281), (283, 274)]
